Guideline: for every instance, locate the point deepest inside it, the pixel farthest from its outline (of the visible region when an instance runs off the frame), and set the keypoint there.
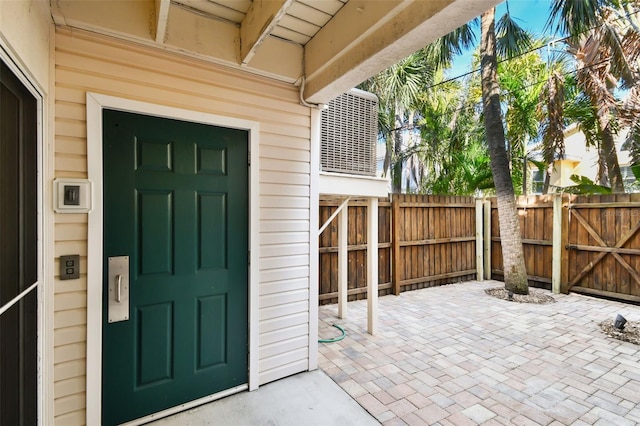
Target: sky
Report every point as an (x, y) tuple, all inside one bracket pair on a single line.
[(530, 14)]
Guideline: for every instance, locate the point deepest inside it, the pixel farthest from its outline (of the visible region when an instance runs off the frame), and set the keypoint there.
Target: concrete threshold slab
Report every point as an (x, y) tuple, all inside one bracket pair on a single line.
[(310, 398)]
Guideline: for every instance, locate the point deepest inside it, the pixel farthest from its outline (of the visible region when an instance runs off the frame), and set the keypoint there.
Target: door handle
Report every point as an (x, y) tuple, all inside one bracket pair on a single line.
[(118, 288)]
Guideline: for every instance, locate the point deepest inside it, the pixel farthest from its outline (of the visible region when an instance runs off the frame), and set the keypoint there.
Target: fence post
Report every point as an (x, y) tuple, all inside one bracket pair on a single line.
[(565, 241), (343, 261), (556, 256), (372, 266), (479, 241), (487, 239), (395, 244)]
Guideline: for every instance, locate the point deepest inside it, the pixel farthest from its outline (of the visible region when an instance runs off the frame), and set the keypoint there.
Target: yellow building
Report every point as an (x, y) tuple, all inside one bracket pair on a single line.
[(579, 160)]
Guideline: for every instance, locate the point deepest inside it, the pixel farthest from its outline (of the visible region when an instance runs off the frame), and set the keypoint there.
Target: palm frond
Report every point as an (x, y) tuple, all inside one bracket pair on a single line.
[(584, 185), (573, 17), (630, 118), (441, 52), (511, 38), (621, 45)]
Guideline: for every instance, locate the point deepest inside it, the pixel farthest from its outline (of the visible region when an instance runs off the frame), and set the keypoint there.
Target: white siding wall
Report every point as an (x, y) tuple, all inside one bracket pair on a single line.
[(24, 28), (86, 62)]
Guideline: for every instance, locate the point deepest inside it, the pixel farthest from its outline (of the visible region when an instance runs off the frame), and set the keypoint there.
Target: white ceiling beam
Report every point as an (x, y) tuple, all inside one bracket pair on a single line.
[(348, 50), (197, 35), (278, 59), (112, 17), (356, 21), (261, 18), (162, 17)]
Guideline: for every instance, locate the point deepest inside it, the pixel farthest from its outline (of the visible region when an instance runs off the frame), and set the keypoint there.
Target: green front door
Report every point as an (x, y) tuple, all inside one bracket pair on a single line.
[(176, 203)]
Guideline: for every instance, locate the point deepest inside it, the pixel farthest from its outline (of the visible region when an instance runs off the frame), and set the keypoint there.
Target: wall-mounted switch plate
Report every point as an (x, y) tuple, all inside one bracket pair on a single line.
[(72, 195), (70, 267)]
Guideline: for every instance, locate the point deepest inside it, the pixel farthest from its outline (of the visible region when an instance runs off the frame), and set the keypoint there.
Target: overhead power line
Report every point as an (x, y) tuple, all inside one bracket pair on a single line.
[(562, 39), (502, 93), (506, 92)]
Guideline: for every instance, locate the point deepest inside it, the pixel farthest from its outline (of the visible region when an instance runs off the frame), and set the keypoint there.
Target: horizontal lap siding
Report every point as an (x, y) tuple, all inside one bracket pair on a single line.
[(284, 244), (86, 62)]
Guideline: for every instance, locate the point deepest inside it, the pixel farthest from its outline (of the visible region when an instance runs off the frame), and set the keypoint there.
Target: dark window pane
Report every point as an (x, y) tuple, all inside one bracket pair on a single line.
[(18, 251)]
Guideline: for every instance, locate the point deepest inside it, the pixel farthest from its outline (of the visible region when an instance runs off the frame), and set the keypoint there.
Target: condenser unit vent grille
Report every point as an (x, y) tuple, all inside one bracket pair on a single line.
[(349, 134)]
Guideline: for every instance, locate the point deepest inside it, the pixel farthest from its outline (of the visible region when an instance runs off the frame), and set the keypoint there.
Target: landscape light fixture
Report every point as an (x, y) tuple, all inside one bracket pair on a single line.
[(511, 295), (619, 322)]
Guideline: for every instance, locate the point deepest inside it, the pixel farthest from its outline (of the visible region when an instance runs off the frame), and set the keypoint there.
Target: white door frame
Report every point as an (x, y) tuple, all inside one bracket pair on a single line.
[(95, 104)]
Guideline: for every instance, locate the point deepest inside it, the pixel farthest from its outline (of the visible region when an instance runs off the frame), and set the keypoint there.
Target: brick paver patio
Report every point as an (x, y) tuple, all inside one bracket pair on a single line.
[(452, 355)]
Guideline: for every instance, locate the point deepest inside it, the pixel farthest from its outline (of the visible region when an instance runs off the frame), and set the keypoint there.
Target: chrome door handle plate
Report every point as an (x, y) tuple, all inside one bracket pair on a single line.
[(118, 282)]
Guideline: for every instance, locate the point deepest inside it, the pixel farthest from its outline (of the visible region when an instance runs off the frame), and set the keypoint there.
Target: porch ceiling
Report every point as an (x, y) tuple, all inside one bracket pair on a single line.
[(333, 44)]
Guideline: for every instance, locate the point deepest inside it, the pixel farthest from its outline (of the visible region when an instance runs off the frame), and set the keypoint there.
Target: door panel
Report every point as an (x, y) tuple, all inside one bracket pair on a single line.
[(176, 203), (18, 250)]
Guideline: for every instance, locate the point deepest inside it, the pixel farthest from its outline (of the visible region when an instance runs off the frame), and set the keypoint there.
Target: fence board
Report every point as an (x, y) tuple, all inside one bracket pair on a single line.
[(536, 230)]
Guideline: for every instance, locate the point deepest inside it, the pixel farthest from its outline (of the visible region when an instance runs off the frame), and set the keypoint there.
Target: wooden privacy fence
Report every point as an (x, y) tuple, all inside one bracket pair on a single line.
[(432, 239), (586, 244), (598, 243)]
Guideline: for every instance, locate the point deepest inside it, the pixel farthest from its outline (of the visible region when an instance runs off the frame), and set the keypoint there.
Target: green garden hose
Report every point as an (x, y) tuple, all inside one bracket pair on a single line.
[(335, 339)]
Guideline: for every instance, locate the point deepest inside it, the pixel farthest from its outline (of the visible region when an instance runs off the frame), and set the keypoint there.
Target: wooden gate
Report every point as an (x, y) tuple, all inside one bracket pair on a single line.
[(604, 246)]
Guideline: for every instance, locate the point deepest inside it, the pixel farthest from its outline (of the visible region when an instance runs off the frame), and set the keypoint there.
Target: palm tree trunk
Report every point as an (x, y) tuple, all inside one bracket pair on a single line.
[(388, 155), (601, 98), (515, 274), (409, 175), (547, 182), (610, 155), (396, 166), (602, 176)]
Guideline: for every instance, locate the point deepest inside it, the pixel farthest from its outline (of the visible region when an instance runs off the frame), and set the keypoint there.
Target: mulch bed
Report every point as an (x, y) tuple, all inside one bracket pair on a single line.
[(534, 296), (630, 333)]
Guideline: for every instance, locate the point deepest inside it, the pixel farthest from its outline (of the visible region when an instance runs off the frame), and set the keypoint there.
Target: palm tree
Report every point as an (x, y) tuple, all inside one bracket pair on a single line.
[(519, 79), (399, 89), (563, 103), (559, 100), (515, 273), (594, 75), (630, 110), (605, 41), (452, 149), (631, 118)]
